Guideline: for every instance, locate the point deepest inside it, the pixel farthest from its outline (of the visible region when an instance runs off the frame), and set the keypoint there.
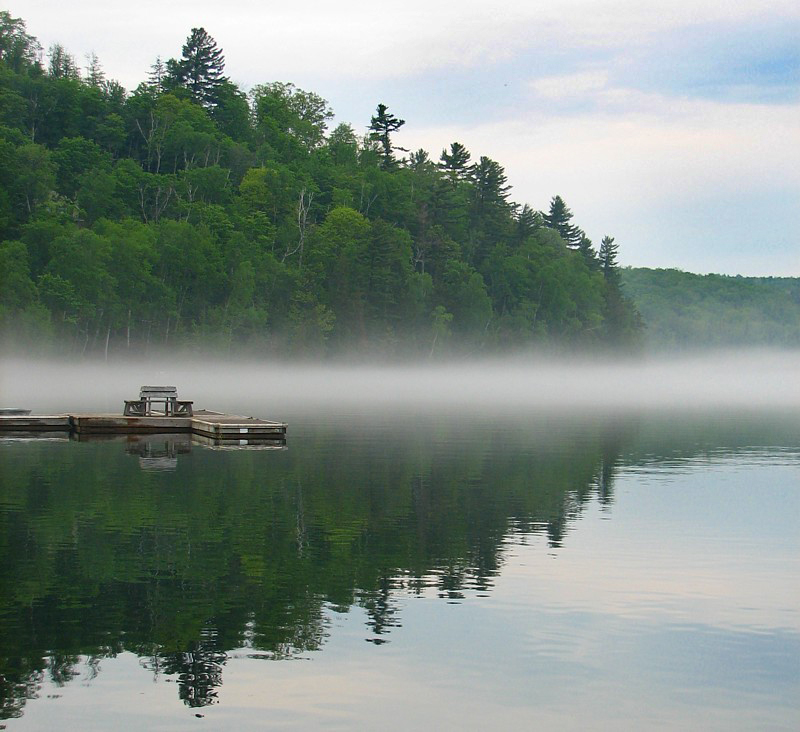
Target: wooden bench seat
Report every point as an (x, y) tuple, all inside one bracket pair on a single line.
[(183, 408), (135, 408), (158, 401)]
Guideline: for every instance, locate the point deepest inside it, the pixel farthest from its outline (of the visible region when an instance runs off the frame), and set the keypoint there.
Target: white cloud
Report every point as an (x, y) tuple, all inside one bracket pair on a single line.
[(271, 40), (639, 138), (570, 85)]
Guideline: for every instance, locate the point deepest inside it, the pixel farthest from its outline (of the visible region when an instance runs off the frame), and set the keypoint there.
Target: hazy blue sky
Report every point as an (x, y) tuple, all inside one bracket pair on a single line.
[(673, 126)]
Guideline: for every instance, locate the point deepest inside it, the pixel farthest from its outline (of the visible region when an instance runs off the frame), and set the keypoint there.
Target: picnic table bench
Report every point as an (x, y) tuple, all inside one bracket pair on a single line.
[(158, 401)]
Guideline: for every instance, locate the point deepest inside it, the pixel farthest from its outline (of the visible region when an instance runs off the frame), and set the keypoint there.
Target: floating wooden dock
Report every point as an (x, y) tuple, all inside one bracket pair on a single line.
[(214, 425)]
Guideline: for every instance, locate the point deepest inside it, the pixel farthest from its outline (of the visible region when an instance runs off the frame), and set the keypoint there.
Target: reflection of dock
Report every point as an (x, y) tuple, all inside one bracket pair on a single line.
[(214, 425), (158, 452), (253, 443)]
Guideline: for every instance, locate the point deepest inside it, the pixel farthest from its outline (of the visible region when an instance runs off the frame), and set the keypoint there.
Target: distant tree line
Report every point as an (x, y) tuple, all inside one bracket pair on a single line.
[(191, 212), (685, 310)]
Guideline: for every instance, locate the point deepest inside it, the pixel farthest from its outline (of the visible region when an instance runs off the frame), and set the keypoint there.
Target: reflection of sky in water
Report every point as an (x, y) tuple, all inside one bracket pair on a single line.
[(675, 607)]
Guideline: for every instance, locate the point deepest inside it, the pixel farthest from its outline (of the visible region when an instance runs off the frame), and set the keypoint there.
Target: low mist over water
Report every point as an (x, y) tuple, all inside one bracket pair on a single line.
[(738, 380)]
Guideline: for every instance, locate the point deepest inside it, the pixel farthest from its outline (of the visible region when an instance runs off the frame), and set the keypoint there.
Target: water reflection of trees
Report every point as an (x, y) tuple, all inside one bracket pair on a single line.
[(250, 550), (199, 672)]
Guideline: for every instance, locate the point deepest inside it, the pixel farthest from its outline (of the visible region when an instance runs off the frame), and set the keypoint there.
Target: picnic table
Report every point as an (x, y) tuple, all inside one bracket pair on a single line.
[(158, 401)]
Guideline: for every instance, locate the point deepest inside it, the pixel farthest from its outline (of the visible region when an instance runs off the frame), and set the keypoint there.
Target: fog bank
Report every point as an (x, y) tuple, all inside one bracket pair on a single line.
[(745, 380)]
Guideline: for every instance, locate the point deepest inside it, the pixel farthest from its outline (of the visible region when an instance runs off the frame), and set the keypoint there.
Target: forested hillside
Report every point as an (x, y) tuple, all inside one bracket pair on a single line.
[(188, 212), (685, 310)]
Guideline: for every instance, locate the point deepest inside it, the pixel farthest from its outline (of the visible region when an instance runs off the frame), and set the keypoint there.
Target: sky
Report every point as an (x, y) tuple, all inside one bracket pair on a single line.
[(672, 126)]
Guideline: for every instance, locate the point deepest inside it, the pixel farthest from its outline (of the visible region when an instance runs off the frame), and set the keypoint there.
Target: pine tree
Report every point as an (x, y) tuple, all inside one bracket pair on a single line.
[(200, 68), (95, 76), (490, 181), (62, 64), (455, 164), (528, 221), (157, 76), (419, 160), (588, 253), (489, 210), (559, 218), (608, 259), (382, 125)]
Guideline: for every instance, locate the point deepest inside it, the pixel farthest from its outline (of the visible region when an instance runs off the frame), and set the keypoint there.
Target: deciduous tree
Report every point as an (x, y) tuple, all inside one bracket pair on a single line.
[(18, 50), (283, 109)]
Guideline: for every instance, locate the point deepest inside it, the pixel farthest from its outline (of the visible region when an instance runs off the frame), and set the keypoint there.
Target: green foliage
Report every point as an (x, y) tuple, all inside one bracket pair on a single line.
[(74, 157), (62, 64), (685, 310), (291, 121), (189, 210), (18, 50), (200, 68), (558, 218), (34, 178), (17, 290), (463, 293), (382, 124), (608, 259), (455, 163)]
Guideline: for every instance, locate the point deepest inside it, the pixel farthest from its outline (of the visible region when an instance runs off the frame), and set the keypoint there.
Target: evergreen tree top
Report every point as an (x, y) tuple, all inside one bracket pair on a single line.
[(381, 126), (558, 218), (201, 67)]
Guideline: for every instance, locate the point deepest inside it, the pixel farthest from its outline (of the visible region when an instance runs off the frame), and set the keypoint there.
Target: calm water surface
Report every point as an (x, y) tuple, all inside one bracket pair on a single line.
[(449, 571)]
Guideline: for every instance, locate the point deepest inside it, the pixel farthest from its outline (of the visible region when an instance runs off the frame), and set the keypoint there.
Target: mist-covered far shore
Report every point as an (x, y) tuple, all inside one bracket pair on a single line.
[(738, 380), (686, 311)]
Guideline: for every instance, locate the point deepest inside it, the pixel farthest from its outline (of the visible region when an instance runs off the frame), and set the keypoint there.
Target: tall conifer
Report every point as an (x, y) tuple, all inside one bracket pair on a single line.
[(381, 126), (200, 68), (455, 163), (558, 218), (608, 259)]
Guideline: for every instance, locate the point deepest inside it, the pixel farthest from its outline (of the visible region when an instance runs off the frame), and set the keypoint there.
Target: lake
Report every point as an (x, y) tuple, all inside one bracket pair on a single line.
[(403, 566)]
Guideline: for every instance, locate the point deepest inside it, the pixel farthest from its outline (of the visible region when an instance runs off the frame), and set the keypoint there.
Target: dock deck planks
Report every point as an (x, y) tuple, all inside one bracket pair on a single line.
[(35, 423), (206, 423), (234, 427)]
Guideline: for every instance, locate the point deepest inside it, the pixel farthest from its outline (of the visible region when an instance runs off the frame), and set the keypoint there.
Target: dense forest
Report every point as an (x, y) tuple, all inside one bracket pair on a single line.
[(190, 212), (685, 310)]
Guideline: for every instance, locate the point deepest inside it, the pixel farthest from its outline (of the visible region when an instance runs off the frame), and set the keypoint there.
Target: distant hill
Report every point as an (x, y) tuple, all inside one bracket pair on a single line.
[(685, 310)]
